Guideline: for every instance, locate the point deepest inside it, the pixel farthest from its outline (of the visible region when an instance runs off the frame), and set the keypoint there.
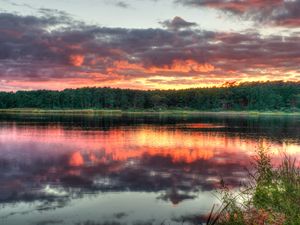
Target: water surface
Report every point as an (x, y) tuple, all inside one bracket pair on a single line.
[(128, 169)]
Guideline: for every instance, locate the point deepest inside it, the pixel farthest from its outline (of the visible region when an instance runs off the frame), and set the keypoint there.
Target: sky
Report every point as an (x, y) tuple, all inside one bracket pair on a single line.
[(147, 44)]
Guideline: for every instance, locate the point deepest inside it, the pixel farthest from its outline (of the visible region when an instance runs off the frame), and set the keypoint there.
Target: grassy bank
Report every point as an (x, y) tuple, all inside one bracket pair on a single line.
[(141, 112), (60, 111), (273, 196)]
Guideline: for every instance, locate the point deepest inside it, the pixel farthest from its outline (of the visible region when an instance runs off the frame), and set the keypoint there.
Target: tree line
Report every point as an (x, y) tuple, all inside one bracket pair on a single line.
[(277, 95)]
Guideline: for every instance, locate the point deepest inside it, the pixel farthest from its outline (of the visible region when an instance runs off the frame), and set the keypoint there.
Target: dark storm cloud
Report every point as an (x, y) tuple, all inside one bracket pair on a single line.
[(276, 12), (54, 46)]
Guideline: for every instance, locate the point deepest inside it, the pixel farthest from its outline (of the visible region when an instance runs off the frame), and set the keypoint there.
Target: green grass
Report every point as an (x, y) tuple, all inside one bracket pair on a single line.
[(59, 111), (272, 197), (145, 112)]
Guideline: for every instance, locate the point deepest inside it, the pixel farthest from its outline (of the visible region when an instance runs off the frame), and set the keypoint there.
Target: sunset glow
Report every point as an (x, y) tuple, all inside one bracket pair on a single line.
[(149, 111), (91, 162), (121, 145), (184, 44)]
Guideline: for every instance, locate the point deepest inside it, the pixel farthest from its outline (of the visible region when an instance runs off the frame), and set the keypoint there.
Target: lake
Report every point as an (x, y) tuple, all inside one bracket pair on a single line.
[(129, 169)]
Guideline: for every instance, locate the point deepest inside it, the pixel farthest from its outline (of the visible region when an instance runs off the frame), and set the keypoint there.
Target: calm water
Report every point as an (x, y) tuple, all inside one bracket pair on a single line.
[(127, 170)]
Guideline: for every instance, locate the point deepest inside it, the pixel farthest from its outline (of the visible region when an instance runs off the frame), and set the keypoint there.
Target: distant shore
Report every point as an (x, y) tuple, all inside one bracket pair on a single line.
[(143, 112)]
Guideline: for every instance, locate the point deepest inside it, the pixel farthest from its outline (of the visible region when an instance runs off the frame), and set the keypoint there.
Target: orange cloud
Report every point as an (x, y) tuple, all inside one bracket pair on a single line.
[(184, 66), (76, 60), (76, 159), (125, 65), (179, 66)]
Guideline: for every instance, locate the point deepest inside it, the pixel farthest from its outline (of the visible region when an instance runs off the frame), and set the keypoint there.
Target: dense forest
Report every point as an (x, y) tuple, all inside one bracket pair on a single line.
[(277, 95)]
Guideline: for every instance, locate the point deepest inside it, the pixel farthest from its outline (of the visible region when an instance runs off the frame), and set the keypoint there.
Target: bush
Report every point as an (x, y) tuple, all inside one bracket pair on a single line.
[(272, 197)]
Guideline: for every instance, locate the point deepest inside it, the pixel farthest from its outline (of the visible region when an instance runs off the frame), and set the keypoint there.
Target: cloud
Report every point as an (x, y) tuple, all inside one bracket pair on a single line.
[(177, 23), (235, 6), (122, 4), (174, 175), (41, 52), (118, 3), (275, 12), (76, 60)]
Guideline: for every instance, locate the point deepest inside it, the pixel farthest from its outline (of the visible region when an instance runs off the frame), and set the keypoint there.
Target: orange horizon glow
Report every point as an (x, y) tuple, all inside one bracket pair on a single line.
[(180, 74), (137, 84)]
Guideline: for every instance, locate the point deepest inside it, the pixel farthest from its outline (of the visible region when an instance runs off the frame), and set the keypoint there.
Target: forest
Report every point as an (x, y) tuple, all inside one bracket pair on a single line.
[(279, 95)]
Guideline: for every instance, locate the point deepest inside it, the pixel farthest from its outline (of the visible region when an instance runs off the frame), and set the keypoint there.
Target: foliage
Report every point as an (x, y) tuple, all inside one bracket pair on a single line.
[(283, 96), (273, 197)]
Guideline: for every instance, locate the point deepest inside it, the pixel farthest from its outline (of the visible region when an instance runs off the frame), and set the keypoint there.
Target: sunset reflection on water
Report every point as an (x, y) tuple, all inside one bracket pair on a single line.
[(174, 164)]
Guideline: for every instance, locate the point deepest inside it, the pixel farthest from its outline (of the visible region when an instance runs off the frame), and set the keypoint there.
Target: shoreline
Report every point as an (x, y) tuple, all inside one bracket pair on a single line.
[(143, 112)]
